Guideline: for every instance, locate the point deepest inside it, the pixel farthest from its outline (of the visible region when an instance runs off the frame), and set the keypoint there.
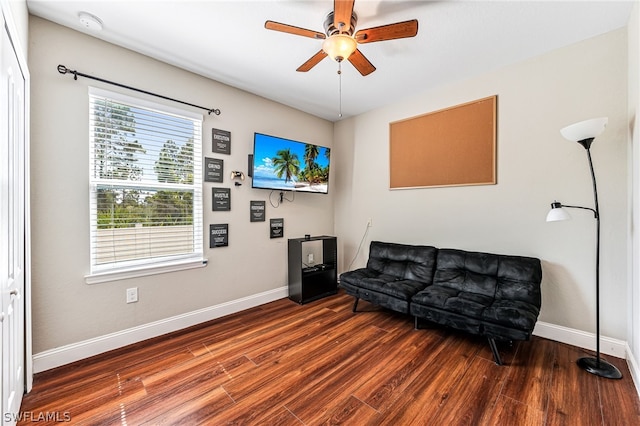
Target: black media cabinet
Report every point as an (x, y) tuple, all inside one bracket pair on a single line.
[(313, 265)]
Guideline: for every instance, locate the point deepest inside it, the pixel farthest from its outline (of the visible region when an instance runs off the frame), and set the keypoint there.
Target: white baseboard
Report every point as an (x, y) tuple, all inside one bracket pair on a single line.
[(634, 368), (76, 351), (581, 339)]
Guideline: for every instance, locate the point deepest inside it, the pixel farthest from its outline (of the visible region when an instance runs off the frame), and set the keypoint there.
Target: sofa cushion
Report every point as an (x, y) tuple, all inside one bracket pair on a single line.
[(402, 289), (497, 276), (519, 279), (452, 300), (512, 313), (360, 279), (403, 261), (355, 277), (467, 271)]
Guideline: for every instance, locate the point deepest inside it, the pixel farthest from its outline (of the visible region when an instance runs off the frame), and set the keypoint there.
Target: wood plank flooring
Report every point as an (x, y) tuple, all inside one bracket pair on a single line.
[(286, 364)]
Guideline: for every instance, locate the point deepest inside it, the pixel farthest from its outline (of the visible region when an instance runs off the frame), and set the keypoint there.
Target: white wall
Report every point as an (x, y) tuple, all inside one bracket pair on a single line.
[(65, 309), (633, 332), (536, 98)]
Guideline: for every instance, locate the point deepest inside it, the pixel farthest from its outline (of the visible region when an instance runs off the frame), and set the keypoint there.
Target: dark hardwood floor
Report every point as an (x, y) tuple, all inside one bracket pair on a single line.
[(286, 364)]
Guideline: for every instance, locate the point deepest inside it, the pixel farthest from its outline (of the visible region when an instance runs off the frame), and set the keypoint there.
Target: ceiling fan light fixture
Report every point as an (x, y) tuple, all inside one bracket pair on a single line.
[(339, 46)]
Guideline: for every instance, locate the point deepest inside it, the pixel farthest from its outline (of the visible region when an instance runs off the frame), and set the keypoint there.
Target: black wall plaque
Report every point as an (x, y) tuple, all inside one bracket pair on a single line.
[(219, 235), (221, 141), (277, 228), (221, 199), (213, 170), (257, 210)]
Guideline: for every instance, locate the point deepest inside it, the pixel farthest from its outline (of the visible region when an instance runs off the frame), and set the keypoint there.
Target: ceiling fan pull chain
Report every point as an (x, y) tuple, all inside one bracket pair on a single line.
[(340, 89)]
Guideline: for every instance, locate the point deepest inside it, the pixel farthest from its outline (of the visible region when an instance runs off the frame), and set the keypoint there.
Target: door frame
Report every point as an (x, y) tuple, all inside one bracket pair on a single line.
[(20, 52)]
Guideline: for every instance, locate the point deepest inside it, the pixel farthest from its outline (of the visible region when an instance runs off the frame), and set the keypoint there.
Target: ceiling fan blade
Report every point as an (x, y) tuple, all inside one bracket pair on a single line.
[(342, 11), (312, 61), (388, 32), (361, 63), (285, 28)]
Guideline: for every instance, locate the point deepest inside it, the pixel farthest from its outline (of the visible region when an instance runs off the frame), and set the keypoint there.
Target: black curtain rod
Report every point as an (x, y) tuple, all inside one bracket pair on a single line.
[(64, 70)]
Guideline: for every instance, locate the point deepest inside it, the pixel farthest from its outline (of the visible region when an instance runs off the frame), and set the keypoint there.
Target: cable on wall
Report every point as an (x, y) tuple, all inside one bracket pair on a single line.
[(355, 256), (64, 70), (281, 198)]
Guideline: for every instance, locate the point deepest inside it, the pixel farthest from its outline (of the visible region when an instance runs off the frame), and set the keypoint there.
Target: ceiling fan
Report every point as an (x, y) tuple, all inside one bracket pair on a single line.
[(341, 40)]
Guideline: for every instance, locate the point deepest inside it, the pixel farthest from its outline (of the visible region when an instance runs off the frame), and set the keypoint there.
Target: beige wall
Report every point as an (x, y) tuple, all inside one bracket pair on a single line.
[(536, 98), (633, 333), (67, 310)]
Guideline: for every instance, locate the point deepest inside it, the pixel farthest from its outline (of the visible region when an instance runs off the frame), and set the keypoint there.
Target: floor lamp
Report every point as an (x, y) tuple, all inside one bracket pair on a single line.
[(584, 133)]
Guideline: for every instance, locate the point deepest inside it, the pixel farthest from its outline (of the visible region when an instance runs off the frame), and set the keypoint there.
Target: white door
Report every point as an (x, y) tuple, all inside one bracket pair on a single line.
[(12, 228)]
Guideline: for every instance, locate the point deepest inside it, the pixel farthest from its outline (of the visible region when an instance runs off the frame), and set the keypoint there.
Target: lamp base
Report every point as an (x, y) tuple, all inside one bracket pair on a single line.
[(599, 367)]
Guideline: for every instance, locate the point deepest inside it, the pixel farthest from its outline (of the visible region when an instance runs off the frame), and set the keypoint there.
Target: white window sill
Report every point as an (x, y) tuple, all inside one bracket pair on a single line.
[(123, 274)]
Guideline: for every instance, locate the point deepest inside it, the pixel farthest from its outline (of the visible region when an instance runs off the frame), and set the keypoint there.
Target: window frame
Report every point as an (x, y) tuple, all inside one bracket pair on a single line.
[(150, 265)]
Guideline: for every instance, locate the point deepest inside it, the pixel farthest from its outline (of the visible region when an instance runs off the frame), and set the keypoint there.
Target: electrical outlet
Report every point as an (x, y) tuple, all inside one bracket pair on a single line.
[(310, 259), (132, 295), (370, 223)]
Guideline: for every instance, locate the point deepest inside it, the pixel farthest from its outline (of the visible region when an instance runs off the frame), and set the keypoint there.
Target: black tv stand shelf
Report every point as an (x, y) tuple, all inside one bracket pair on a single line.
[(309, 282), (317, 268)]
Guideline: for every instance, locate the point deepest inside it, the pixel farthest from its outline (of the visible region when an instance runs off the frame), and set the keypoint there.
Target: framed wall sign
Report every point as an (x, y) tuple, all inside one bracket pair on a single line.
[(219, 235), (276, 228), (256, 211), (213, 170), (221, 141), (221, 199)]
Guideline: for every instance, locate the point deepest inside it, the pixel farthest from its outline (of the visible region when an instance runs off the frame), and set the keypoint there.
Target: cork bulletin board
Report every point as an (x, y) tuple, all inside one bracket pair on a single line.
[(452, 147)]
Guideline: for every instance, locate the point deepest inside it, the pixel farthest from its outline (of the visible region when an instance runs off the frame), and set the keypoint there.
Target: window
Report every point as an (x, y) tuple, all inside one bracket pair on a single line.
[(145, 187)]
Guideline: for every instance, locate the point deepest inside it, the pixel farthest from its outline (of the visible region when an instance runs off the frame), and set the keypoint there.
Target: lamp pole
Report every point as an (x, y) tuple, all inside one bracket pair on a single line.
[(596, 366), (582, 133)]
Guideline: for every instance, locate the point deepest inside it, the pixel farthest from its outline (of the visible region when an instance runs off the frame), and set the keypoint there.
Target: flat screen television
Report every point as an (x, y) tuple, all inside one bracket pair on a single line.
[(287, 165)]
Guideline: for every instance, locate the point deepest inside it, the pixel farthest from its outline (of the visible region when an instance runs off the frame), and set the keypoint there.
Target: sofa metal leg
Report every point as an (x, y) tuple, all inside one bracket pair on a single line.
[(355, 304), (494, 350), (416, 327)]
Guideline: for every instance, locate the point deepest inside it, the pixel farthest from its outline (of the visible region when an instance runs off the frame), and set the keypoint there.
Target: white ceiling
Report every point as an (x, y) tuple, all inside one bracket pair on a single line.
[(226, 41)]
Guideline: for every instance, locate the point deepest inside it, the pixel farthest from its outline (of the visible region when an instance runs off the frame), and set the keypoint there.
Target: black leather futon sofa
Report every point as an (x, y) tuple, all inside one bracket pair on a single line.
[(492, 295)]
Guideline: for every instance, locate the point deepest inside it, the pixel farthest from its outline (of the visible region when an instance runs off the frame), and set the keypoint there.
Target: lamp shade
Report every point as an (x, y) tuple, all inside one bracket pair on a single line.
[(557, 213), (587, 129), (339, 47)]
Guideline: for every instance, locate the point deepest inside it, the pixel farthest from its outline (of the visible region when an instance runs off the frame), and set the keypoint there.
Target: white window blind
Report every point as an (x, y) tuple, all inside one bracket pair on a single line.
[(145, 183)]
